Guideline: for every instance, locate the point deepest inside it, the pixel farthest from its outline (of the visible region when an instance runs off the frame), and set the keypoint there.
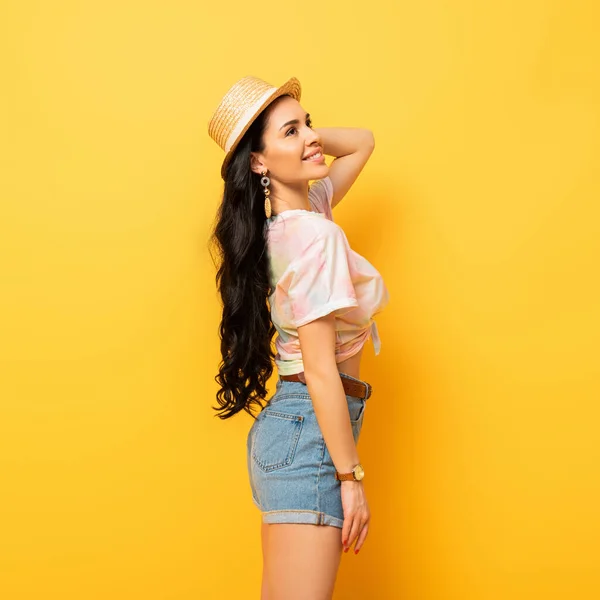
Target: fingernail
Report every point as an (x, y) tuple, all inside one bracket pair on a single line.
[(346, 550), (357, 551)]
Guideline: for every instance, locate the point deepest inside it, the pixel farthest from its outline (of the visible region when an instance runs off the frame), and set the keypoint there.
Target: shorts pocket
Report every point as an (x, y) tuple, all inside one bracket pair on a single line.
[(356, 408), (276, 439), (357, 411)]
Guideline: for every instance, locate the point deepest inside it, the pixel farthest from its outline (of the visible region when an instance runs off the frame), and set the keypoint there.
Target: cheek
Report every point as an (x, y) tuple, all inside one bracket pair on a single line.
[(288, 153), (286, 160)]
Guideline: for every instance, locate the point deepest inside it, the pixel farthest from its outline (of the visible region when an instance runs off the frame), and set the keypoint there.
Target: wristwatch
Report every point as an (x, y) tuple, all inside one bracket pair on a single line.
[(355, 475)]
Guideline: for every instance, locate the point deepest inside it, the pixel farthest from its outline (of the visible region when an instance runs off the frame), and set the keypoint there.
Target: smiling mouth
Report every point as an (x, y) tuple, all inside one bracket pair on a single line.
[(314, 156)]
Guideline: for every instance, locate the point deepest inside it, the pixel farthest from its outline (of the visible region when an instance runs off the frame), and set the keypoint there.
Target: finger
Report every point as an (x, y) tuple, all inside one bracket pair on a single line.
[(346, 528), (354, 531), (362, 536)]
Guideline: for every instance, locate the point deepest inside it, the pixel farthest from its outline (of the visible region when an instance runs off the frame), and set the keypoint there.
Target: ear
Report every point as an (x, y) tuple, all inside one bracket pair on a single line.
[(256, 163)]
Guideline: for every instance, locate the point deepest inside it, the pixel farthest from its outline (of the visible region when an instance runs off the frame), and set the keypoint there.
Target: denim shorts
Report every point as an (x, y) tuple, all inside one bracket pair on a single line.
[(292, 476)]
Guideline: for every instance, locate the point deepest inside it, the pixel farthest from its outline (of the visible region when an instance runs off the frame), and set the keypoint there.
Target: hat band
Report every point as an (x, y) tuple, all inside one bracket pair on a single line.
[(246, 116)]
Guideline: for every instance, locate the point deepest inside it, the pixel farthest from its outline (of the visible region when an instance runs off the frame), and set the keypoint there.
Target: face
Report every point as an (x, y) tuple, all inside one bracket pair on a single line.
[(287, 143)]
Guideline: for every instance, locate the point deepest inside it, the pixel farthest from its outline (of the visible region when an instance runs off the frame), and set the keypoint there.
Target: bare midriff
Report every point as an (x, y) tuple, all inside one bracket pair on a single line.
[(351, 366)]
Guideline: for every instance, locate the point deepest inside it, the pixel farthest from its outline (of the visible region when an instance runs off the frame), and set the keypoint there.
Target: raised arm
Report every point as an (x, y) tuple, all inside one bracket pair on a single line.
[(352, 147)]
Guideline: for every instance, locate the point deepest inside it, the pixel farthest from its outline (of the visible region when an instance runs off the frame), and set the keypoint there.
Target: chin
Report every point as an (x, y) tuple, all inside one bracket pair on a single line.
[(319, 167)]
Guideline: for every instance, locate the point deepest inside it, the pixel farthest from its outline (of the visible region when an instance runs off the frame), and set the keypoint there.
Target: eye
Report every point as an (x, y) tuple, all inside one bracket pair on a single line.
[(308, 124)]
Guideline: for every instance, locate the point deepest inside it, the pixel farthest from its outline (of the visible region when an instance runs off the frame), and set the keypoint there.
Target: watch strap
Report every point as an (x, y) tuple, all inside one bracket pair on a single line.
[(345, 476)]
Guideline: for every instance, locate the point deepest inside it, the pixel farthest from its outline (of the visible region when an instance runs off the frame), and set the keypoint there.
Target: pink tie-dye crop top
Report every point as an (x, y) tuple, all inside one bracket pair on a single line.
[(314, 272)]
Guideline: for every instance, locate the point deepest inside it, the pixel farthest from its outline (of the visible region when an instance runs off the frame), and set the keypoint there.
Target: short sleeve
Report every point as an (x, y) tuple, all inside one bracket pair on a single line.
[(320, 195), (321, 281)]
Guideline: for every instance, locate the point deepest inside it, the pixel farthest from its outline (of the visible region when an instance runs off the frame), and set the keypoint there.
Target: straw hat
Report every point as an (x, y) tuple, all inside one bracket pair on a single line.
[(240, 106)]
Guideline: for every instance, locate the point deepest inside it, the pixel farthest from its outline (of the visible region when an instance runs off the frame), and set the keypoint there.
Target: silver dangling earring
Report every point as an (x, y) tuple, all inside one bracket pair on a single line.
[(265, 181)]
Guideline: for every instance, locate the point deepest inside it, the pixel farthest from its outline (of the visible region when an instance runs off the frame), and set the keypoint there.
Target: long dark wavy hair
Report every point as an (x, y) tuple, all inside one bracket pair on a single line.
[(240, 237)]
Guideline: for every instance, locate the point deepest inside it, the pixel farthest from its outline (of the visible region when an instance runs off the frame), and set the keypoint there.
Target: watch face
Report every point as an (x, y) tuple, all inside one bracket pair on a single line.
[(358, 472)]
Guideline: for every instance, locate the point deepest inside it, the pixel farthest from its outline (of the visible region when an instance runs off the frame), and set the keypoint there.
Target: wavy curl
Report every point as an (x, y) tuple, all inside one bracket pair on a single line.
[(240, 237)]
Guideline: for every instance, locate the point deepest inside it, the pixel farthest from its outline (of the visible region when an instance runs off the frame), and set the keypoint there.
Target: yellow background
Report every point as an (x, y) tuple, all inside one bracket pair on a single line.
[(480, 206)]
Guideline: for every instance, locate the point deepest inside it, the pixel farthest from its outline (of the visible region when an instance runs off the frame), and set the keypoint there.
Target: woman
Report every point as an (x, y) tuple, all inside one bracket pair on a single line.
[(287, 268)]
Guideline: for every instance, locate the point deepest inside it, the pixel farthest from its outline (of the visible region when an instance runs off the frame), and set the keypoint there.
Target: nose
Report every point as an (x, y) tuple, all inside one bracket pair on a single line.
[(311, 137)]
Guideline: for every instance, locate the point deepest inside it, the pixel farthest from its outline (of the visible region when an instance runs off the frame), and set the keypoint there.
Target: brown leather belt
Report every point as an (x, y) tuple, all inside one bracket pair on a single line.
[(351, 387)]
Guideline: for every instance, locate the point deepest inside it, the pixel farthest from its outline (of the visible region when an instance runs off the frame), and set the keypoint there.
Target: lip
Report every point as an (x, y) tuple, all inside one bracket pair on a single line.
[(316, 151)]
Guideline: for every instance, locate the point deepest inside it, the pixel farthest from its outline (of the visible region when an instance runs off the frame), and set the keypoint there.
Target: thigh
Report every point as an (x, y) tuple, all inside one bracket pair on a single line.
[(301, 561), (264, 532)]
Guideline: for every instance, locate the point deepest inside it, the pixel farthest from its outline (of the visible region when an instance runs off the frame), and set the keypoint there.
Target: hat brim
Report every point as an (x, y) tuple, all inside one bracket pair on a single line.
[(291, 87)]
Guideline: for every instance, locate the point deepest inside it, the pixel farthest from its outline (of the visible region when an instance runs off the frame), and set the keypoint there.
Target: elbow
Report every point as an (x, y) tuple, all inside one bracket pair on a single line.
[(324, 372), (369, 139)]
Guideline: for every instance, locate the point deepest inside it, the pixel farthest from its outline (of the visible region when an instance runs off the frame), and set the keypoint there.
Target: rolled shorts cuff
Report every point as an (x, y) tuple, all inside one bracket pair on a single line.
[(301, 516)]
